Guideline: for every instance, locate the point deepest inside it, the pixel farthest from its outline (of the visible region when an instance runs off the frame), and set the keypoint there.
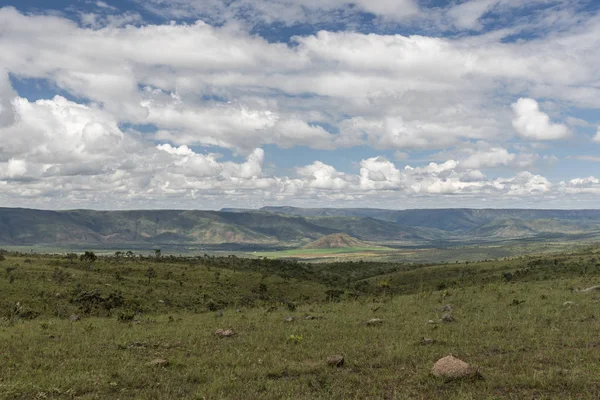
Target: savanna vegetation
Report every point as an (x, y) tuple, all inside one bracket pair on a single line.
[(127, 326)]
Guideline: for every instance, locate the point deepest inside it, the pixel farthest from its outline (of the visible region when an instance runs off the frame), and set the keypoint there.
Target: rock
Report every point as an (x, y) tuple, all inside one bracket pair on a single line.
[(448, 318), (158, 362), (431, 322), (451, 367), (374, 321), (219, 313), (335, 361), (568, 304), (224, 333), (427, 341), (445, 308), (74, 317), (237, 310), (289, 319)]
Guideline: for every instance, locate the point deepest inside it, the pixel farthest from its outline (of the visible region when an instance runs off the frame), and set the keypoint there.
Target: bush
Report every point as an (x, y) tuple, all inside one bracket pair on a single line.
[(126, 316), (88, 256)]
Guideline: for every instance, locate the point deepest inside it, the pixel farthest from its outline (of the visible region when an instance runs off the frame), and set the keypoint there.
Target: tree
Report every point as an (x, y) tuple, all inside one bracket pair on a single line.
[(150, 273), (157, 253), (88, 256)]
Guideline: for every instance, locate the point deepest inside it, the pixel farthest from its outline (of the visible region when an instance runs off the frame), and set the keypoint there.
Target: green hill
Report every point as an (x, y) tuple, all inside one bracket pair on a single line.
[(335, 241), (20, 227)]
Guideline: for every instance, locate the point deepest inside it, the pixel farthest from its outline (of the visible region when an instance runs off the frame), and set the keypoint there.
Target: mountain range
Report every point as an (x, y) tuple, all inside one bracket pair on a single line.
[(289, 226)]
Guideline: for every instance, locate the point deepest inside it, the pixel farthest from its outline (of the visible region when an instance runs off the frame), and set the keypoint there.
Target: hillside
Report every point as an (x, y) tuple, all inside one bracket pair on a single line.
[(179, 227), (152, 327), (336, 240), (286, 227)]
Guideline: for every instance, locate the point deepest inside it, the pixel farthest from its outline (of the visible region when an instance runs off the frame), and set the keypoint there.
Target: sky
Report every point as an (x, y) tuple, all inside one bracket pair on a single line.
[(204, 104)]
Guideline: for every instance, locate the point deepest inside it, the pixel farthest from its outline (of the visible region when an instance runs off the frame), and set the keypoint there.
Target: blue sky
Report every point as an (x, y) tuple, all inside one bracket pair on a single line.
[(246, 103)]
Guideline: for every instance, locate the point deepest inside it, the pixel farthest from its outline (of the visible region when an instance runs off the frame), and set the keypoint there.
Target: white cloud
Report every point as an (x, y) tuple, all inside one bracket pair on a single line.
[(222, 87), (7, 113), (466, 15), (597, 136), (588, 185), (531, 123)]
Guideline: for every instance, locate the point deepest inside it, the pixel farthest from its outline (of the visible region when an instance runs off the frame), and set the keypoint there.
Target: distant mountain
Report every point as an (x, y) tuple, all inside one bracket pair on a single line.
[(288, 226), (154, 227), (336, 240), (465, 222)]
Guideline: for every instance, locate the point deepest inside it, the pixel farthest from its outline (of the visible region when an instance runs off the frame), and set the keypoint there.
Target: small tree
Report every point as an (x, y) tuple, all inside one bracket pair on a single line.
[(88, 256), (157, 253), (384, 286), (150, 273)]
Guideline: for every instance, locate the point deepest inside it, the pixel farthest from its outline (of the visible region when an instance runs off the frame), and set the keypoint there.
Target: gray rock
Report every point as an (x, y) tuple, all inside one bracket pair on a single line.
[(447, 318), (427, 341)]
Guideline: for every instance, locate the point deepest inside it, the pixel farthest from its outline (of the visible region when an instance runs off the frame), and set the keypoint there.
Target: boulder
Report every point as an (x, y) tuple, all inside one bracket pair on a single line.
[(451, 367), (222, 333)]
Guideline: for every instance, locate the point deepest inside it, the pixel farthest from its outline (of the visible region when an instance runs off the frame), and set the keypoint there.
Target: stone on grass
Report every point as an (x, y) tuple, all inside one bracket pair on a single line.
[(158, 362), (448, 318), (74, 317), (568, 304), (289, 319), (445, 308), (451, 367), (427, 341), (335, 361), (224, 333), (374, 321)]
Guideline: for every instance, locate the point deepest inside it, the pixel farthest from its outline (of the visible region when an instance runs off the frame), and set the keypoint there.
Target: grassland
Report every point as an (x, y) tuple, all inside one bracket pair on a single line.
[(326, 253), (531, 333)]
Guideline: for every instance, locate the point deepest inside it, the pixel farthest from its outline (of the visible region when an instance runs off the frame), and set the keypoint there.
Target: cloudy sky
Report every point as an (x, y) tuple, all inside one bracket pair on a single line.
[(203, 104)]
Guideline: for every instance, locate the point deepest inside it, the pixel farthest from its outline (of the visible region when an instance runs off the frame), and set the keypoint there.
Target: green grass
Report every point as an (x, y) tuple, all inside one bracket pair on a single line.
[(320, 252), (525, 340), (537, 349)]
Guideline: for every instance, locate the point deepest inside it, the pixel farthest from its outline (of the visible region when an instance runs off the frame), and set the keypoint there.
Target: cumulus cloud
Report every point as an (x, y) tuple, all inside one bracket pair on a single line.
[(596, 137), (531, 123), (7, 112), (466, 15), (128, 127)]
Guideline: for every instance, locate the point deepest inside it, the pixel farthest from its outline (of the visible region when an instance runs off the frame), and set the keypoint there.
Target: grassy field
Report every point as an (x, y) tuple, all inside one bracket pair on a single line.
[(532, 334), (326, 253)]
